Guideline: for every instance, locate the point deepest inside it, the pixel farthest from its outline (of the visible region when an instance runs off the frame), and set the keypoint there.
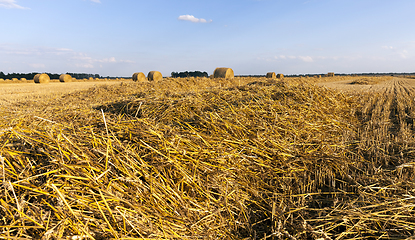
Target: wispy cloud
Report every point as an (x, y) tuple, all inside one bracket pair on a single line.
[(10, 4), (45, 57), (192, 18), (302, 58), (96, 1), (306, 58), (37, 65), (399, 51)]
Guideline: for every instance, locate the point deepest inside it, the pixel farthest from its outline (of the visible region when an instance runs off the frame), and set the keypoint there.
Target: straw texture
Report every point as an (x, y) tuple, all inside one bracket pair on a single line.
[(42, 78), (65, 78), (154, 76), (271, 75), (139, 77), (223, 73)]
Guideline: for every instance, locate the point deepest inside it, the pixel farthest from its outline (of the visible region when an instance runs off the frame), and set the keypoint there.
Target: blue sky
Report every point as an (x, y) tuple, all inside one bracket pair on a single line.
[(120, 37)]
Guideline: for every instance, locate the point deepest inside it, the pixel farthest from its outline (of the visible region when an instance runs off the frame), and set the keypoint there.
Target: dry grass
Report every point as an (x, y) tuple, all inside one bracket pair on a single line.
[(366, 81), (209, 159)]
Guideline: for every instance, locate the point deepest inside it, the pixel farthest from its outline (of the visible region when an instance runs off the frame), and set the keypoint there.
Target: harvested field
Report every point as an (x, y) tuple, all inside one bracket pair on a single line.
[(10, 93), (242, 158)]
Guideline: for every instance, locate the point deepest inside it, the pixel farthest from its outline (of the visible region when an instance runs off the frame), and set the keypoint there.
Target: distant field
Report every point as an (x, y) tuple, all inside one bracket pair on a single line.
[(28, 90), (200, 158)]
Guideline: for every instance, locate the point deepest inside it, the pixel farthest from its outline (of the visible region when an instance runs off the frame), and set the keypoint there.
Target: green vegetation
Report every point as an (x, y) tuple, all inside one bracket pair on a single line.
[(189, 74)]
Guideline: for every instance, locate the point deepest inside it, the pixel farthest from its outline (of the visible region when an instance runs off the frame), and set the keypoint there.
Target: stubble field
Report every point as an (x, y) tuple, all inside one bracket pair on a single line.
[(247, 158)]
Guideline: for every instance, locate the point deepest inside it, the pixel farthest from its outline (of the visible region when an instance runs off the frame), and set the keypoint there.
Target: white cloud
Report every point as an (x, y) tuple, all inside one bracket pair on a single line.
[(84, 65), (10, 4), (306, 58), (37, 65), (404, 54), (192, 18), (96, 1)]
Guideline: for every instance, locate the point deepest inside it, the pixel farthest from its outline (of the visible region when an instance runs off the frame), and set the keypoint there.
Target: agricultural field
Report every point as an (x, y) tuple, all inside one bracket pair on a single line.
[(201, 158), (11, 92)]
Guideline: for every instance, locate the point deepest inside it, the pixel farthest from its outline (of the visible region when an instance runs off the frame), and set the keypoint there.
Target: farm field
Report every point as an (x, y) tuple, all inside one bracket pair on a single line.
[(20, 91), (243, 158)]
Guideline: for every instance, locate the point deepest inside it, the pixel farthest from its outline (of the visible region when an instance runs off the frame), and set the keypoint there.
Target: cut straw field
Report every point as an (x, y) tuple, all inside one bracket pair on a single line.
[(11, 93), (241, 158)]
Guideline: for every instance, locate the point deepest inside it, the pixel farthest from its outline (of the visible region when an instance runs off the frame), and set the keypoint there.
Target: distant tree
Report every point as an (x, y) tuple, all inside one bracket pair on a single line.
[(189, 74)]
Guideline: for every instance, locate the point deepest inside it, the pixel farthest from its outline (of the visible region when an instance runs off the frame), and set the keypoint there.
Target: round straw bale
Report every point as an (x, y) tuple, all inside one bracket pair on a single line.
[(154, 76), (223, 73), (42, 78), (36, 76), (23, 79), (15, 79), (1, 79), (139, 76), (271, 75), (280, 75), (91, 79), (65, 78)]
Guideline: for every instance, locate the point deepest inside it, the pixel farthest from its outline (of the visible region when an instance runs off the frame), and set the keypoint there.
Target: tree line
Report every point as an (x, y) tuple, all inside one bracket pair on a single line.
[(51, 75), (189, 74)]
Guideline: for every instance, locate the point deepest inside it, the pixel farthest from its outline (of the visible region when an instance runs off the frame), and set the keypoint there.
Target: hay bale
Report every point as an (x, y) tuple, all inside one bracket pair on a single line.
[(23, 79), (271, 75), (15, 79), (154, 76), (36, 76), (91, 79), (330, 74), (280, 75), (42, 78), (139, 76), (65, 78), (1, 79), (223, 73)]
